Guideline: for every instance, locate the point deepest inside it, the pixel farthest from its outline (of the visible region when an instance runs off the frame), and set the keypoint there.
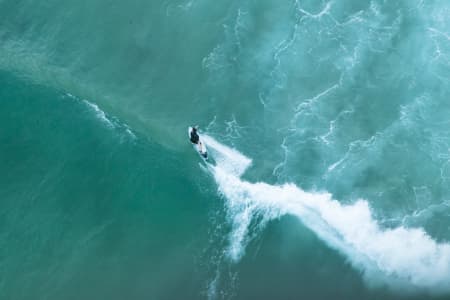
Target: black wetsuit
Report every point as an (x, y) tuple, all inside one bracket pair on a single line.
[(194, 136)]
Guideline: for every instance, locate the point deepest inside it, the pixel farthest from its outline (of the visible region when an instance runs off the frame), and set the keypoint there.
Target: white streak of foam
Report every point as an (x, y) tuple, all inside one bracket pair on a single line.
[(400, 257), (112, 123), (99, 113), (333, 166), (308, 102), (324, 11), (129, 132), (232, 161)]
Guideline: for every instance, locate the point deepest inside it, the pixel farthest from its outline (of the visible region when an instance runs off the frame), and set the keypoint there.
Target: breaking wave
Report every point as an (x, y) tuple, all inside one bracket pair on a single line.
[(398, 257)]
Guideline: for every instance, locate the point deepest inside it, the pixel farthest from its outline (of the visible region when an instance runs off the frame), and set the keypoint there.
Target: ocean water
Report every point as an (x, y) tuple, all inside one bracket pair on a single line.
[(327, 125)]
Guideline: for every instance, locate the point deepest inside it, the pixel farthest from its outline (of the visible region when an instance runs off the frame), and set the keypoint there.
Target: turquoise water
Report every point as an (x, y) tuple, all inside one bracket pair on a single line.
[(327, 124)]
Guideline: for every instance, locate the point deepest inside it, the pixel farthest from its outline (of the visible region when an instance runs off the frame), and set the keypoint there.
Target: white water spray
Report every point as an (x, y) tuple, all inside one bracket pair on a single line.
[(400, 257)]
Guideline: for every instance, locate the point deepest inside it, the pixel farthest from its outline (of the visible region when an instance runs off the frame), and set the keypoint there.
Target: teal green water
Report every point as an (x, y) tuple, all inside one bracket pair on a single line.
[(328, 130)]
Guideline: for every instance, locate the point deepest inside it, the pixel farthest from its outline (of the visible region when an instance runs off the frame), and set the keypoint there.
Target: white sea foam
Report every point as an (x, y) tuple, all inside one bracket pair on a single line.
[(229, 159), (99, 113), (403, 258), (110, 122)]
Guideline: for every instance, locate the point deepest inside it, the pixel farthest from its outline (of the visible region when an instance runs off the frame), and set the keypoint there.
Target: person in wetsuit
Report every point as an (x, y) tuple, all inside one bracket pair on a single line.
[(195, 139), (194, 136)]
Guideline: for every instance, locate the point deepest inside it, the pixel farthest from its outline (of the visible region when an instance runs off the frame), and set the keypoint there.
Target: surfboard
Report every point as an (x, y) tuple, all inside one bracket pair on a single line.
[(200, 147)]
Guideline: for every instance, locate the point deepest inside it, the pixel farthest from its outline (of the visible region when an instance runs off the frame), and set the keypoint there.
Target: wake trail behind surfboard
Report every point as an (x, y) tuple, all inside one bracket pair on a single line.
[(398, 257)]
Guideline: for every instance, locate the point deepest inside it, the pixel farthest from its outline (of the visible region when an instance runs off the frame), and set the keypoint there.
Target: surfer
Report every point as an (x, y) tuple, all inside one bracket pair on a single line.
[(195, 139), (194, 135)]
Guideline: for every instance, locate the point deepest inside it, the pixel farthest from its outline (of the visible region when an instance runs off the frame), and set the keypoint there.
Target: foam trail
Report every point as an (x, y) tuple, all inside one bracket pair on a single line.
[(110, 122), (402, 258), (99, 113), (231, 160)]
